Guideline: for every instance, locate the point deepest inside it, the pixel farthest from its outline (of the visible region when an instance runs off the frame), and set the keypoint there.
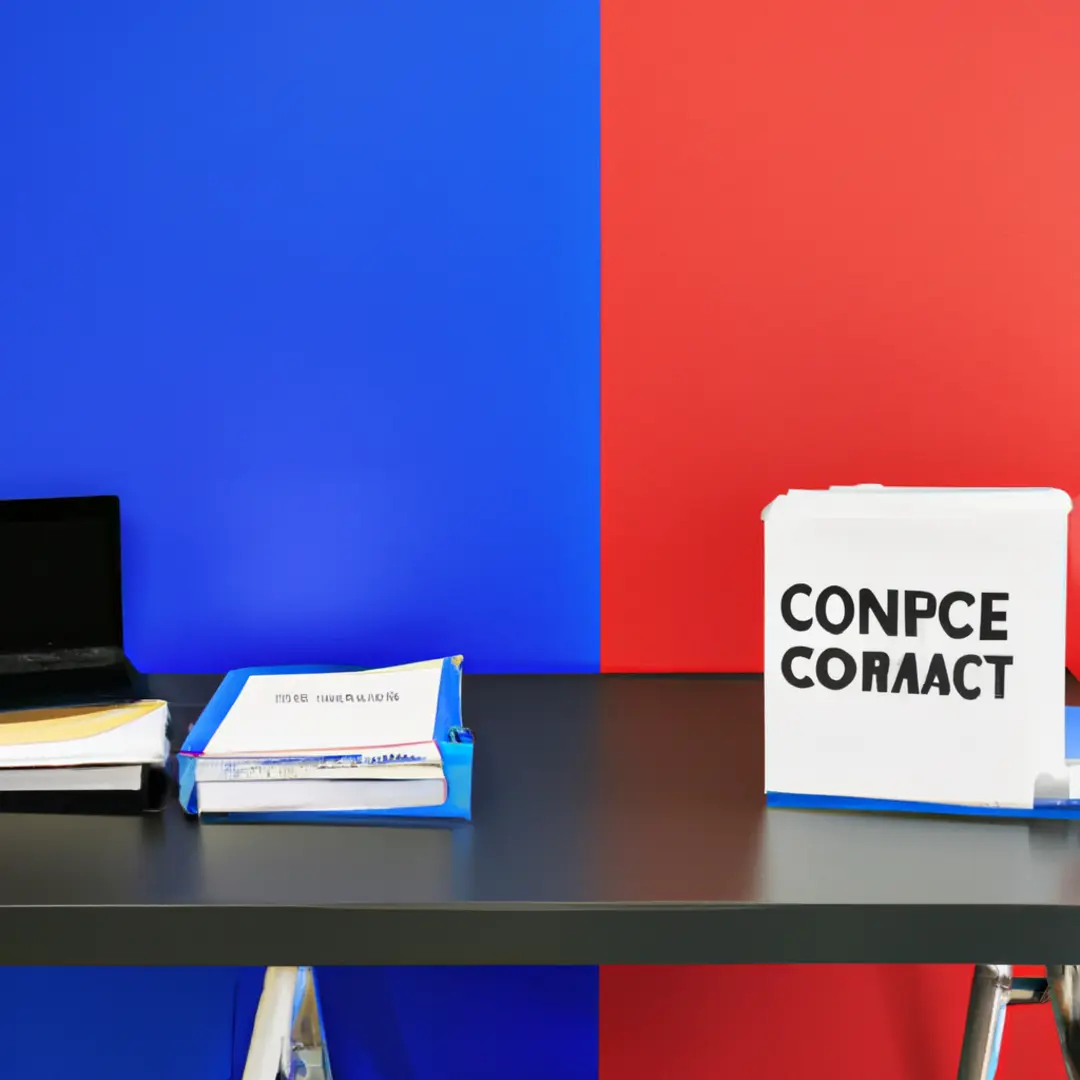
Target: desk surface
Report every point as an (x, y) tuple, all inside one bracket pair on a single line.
[(603, 850)]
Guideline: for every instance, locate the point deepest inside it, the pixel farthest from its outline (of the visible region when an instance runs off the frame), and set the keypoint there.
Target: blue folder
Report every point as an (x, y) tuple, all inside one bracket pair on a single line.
[(1045, 808), (454, 740)]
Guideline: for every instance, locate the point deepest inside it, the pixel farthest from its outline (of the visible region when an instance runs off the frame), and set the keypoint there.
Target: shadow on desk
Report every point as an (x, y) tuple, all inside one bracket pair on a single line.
[(324, 864), (679, 776)]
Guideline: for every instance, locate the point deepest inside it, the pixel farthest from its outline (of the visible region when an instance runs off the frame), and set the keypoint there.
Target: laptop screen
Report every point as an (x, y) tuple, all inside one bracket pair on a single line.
[(60, 574)]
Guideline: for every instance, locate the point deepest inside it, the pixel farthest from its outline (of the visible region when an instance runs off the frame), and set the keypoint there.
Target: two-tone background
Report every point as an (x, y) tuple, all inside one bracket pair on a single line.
[(404, 329)]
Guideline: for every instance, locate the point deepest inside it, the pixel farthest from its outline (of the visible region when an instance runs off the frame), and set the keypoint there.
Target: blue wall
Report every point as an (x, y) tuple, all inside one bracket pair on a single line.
[(501, 1023), (95, 1024), (314, 287), (462, 1023)]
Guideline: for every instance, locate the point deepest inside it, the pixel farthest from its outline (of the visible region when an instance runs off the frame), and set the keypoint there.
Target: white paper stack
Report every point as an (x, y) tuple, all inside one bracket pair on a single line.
[(82, 749)]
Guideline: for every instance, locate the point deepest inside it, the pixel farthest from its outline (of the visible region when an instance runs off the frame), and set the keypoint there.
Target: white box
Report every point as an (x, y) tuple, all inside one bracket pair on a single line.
[(915, 644)]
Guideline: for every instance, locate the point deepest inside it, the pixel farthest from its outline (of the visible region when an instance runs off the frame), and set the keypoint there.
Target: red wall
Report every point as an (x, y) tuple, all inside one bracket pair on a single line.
[(816, 1023), (841, 243)]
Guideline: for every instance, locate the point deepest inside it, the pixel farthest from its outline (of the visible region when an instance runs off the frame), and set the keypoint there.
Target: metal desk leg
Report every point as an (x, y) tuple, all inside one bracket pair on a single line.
[(1064, 980), (993, 990), (310, 1058), (990, 990), (287, 1040)]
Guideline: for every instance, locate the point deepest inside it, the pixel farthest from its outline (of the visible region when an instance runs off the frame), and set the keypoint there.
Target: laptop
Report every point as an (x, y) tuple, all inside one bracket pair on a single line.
[(61, 603)]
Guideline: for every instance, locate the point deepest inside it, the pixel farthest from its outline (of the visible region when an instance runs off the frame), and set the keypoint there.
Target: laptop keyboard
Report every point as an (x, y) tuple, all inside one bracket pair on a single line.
[(61, 660)]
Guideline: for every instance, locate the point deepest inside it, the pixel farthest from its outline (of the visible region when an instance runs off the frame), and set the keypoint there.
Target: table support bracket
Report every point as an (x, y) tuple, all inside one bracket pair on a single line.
[(993, 989), (287, 1041)]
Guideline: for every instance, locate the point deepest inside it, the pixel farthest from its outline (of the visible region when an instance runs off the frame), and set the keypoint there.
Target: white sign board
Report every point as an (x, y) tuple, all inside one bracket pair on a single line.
[(915, 644)]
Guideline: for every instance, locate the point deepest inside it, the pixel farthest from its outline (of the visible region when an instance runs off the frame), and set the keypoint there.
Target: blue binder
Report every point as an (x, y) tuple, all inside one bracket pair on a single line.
[(1048, 808), (454, 740)]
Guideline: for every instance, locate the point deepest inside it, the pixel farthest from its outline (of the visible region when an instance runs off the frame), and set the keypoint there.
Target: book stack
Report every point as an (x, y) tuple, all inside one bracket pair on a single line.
[(304, 741), (84, 758)]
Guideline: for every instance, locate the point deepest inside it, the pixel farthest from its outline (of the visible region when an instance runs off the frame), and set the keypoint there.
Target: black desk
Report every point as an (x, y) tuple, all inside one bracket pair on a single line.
[(616, 820)]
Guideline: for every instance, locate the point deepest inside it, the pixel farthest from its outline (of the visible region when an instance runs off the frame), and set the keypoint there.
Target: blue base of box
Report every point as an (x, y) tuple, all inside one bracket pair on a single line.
[(791, 801)]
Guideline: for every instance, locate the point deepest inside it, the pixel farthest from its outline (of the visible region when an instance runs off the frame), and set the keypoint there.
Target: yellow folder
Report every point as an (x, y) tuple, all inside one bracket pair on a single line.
[(22, 726)]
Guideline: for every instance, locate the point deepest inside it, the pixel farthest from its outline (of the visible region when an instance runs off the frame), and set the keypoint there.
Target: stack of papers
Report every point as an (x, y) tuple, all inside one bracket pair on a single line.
[(328, 741), (82, 749)]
